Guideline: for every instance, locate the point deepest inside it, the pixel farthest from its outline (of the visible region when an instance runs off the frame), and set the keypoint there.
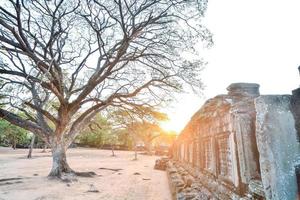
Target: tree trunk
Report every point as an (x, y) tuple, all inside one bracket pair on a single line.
[(112, 151), (135, 153), (135, 149), (31, 146), (59, 165), (148, 146), (14, 143), (44, 148)]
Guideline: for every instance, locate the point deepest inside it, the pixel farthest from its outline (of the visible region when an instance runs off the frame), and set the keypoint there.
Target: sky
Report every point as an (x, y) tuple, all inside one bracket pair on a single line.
[(255, 41)]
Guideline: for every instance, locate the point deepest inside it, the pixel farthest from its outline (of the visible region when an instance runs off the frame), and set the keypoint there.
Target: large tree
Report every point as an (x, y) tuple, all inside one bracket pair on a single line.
[(64, 61)]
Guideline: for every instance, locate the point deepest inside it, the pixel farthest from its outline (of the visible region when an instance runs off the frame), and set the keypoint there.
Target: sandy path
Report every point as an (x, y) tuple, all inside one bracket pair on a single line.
[(123, 185)]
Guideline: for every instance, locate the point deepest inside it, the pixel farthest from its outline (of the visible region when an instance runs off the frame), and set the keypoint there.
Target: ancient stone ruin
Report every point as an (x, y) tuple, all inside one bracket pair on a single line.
[(241, 145)]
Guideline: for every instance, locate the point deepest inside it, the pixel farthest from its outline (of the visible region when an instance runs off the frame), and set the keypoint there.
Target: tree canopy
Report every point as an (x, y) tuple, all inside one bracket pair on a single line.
[(11, 135), (62, 62)]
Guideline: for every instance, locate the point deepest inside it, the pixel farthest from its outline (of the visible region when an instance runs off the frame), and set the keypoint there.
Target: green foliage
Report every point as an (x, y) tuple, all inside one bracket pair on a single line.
[(124, 129), (125, 138), (11, 134), (39, 143), (98, 133), (146, 131)]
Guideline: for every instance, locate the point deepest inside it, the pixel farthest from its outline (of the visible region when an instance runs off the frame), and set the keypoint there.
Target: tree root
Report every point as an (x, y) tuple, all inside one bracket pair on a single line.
[(9, 179), (115, 170), (71, 176), (86, 174), (10, 183)]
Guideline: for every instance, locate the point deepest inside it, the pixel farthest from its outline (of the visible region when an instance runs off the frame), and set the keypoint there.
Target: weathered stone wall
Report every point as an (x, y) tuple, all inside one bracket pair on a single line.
[(221, 148), (278, 147)]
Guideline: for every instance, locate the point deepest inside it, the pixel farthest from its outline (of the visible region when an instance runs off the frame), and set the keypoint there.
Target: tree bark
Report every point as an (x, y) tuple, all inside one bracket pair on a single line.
[(135, 149), (112, 151), (31, 146), (14, 143), (59, 164), (135, 153), (148, 146), (44, 148)]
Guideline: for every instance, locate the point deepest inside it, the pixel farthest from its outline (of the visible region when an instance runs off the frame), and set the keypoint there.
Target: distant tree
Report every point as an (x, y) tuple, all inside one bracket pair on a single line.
[(164, 142), (53, 45), (166, 138), (31, 146), (97, 133), (146, 132), (12, 135), (141, 125), (112, 141), (124, 138)]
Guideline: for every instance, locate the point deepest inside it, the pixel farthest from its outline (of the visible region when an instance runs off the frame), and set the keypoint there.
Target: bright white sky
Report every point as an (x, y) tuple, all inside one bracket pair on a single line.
[(255, 41)]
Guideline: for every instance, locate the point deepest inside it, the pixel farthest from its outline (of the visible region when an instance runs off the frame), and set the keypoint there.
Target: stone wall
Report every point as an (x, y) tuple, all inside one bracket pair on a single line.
[(234, 146), (277, 146)]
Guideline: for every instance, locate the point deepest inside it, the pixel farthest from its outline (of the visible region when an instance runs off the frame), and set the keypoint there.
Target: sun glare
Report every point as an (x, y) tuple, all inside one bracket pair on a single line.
[(169, 126)]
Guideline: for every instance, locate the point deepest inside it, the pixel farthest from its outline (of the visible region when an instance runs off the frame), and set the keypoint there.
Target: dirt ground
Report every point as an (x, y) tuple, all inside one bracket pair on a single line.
[(27, 178)]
